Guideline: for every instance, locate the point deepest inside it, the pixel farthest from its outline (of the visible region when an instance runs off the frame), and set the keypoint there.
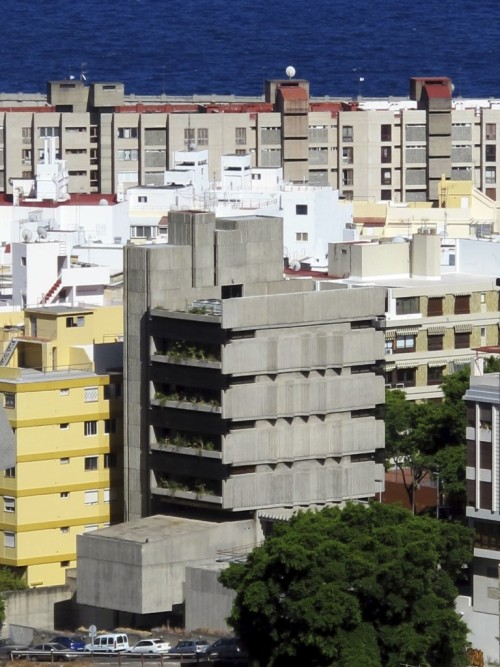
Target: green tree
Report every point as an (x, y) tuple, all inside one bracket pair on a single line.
[(366, 585), (9, 581)]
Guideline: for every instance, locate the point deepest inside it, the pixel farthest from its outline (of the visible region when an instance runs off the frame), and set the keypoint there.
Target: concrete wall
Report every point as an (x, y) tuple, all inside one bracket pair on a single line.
[(208, 603), (34, 607)]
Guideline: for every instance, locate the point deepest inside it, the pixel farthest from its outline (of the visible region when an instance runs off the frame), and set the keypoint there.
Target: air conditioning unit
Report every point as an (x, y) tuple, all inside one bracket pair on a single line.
[(388, 386), (389, 351), (400, 385)]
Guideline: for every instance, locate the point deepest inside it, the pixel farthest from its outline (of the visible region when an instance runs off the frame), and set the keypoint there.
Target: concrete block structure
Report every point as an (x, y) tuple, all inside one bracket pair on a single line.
[(247, 397)]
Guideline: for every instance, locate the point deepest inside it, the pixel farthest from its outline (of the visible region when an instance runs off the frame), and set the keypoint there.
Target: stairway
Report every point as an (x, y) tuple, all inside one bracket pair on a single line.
[(7, 355), (48, 297)]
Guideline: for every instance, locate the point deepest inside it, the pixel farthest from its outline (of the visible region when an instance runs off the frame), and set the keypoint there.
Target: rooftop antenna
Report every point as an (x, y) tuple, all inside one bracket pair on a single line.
[(290, 71)]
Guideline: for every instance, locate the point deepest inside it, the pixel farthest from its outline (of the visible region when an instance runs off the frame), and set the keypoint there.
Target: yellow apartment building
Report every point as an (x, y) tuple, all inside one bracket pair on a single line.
[(60, 395)]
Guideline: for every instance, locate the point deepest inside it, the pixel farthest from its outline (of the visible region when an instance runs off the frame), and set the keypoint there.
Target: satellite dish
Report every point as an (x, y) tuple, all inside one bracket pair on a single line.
[(290, 71), (27, 235), (295, 265), (103, 202), (42, 232)]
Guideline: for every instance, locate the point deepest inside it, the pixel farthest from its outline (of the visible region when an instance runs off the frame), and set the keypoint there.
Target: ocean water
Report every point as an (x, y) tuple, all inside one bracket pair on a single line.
[(183, 47)]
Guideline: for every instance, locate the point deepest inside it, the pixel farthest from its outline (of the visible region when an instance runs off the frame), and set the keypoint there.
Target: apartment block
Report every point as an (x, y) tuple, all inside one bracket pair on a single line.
[(369, 149), (442, 303), (61, 407), (258, 392)]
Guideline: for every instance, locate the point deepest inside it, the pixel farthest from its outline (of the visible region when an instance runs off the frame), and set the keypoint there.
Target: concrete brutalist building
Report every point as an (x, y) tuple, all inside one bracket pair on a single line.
[(247, 397)]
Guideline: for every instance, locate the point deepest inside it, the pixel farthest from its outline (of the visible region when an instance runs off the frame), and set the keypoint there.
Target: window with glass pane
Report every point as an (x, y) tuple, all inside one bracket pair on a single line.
[(385, 132), (407, 305), (462, 340), (347, 133)]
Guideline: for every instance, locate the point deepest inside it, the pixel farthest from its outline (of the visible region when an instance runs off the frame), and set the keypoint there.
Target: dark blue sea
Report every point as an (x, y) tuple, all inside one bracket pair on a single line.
[(182, 47)]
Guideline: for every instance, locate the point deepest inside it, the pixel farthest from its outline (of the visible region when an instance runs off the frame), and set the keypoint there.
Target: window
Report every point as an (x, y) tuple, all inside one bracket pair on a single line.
[(385, 154), (91, 394), (91, 462), (491, 153), (189, 137), (347, 177), (301, 236), (64, 529), (64, 426), (110, 425), (347, 133), (435, 306), (462, 340), (112, 391), (78, 321), (240, 136), (407, 305), (9, 504), (10, 472), (491, 131), (301, 209), (435, 342), (462, 304), (91, 497), (65, 563), (9, 539), (128, 133), (402, 376), (90, 427), (435, 374), (9, 400), (143, 231), (106, 495), (202, 136), (26, 156), (64, 461), (385, 176), (64, 494), (405, 344), (142, 199), (76, 130), (127, 155), (26, 135), (385, 132), (48, 131), (347, 155), (110, 460), (76, 151), (385, 195), (491, 175), (63, 392)]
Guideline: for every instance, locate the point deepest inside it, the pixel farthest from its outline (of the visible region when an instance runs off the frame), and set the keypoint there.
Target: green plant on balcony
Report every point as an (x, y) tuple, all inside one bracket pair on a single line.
[(183, 351), (197, 310)]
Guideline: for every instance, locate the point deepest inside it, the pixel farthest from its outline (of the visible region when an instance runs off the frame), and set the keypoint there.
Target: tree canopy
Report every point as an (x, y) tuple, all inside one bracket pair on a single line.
[(425, 437), (366, 585), (9, 581)]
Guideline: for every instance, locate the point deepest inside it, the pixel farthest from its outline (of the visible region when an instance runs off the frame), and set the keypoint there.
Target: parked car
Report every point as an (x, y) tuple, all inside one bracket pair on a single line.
[(8, 651), (189, 647), (227, 649), (150, 646), (114, 642), (72, 643), (51, 651)]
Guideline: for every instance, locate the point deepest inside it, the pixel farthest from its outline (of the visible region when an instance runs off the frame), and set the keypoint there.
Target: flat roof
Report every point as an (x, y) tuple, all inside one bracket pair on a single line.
[(60, 310), (152, 529)]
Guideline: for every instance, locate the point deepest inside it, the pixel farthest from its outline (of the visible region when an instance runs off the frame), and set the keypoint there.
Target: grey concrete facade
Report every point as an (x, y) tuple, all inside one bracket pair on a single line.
[(277, 389)]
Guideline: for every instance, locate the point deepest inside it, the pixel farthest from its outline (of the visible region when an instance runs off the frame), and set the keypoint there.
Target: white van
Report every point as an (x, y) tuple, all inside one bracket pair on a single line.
[(111, 643)]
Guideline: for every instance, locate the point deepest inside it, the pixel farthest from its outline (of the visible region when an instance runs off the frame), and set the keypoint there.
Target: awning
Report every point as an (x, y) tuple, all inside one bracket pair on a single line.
[(436, 331), (389, 367), (435, 363), (407, 364), (408, 331), (390, 334), (463, 328), (461, 361), (462, 293)]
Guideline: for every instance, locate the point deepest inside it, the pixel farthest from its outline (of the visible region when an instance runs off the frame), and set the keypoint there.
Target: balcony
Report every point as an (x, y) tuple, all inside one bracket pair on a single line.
[(184, 402)]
